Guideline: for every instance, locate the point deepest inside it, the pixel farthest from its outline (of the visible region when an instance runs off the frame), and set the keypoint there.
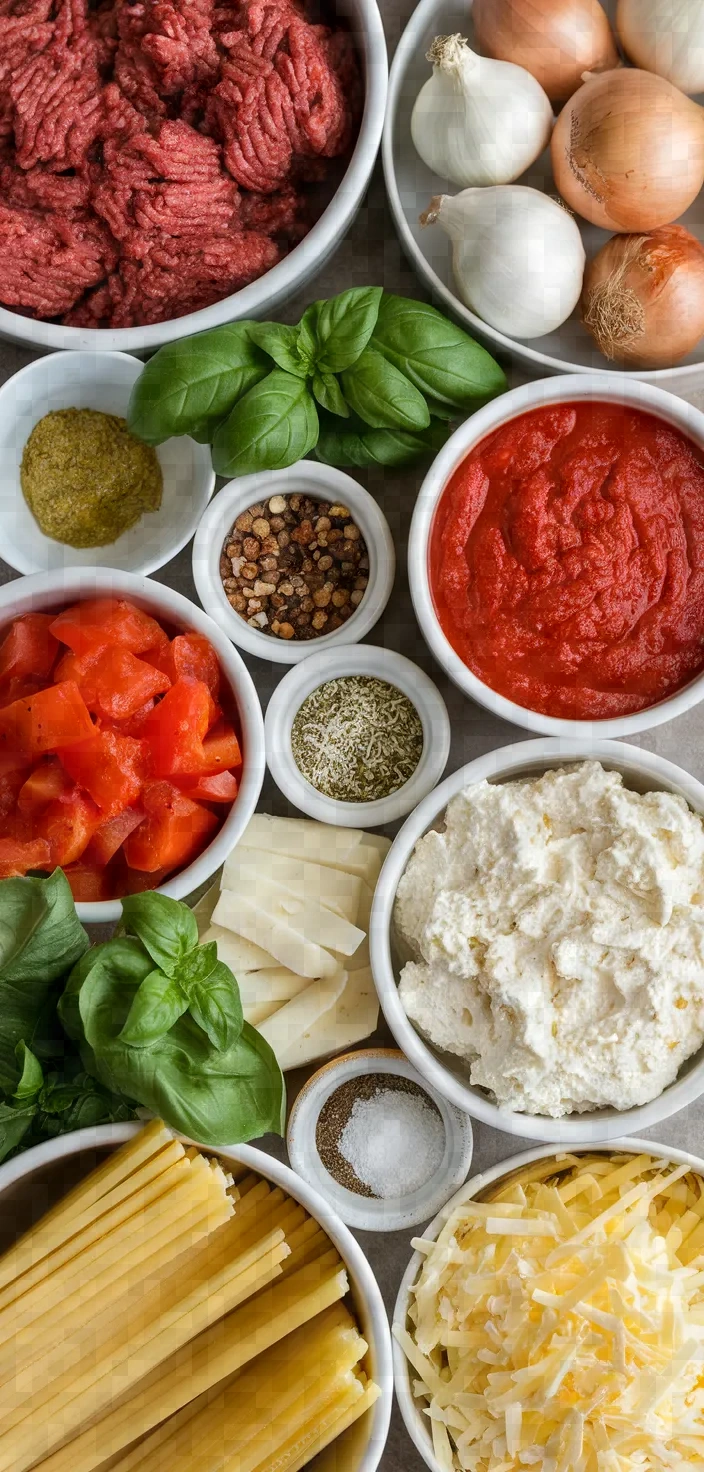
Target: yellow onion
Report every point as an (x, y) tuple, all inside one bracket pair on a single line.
[(643, 297), (628, 151), (557, 40)]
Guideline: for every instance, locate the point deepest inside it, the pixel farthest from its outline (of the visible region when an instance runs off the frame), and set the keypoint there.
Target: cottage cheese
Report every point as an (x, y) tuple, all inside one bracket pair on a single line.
[(557, 934)]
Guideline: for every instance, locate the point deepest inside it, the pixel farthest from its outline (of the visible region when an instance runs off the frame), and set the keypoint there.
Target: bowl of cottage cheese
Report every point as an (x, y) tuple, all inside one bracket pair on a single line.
[(538, 939)]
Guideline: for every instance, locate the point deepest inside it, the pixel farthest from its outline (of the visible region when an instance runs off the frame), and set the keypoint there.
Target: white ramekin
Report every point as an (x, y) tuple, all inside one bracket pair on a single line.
[(379, 664), (321, 483), (25, 1177), (102, 381), (46, 591), (261, 297), (642, 770), (416, 1423), (372, 1213), (596, 387)]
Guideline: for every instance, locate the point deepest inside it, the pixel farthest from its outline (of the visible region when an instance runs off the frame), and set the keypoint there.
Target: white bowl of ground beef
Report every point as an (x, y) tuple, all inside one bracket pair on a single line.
[(201, 164), (585, 920)]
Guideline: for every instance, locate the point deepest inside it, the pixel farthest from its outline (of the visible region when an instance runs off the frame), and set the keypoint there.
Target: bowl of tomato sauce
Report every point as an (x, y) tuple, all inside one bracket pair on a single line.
[(131, 737), (556, 556)]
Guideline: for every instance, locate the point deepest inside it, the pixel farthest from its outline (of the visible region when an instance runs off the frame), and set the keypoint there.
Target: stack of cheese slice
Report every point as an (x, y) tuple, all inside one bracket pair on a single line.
[(129, 1313), (560, 1323), (291, 919)]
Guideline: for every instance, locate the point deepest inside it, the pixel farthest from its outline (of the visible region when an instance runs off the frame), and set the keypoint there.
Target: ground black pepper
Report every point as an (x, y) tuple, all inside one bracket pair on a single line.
[(336, 1112)]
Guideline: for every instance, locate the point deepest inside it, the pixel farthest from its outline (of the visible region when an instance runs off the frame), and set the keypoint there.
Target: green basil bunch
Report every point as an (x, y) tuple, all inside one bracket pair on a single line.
[(363, 379), (158, 1019)]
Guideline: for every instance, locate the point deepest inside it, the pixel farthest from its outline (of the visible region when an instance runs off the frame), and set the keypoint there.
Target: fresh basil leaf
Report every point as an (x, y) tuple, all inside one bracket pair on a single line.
[(119, 967), (14, 1124), (41, 938), (439, 358), (329, 394), (360, 446), (273, 426), (213, 1097), (194, 382), (283, 344), (197, 966), (382, 396), (166, 927), (31, 1074), (158, 1004), (215, 1004), (334, 333)]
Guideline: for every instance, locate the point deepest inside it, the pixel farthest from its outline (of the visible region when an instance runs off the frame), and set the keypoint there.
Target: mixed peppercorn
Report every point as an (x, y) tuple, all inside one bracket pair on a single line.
[(295, 567)]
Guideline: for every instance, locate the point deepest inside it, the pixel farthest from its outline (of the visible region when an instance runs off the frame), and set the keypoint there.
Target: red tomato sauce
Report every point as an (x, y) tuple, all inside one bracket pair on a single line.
[(566, 560)]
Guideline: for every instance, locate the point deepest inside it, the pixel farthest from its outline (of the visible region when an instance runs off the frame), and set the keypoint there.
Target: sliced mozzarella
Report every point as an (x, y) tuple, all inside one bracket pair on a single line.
[(277, 985), (351, 1020), (313, 921), (237, 953), (333, 888), (286, 941), (258, 1012), (301, 838), (286, 1030)]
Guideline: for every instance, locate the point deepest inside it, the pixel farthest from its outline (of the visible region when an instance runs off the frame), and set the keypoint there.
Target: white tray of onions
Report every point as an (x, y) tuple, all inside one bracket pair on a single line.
[(546, 180)]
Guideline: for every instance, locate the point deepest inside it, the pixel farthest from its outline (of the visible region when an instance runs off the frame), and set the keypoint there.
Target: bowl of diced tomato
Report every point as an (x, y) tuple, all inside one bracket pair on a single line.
[(131, 737)]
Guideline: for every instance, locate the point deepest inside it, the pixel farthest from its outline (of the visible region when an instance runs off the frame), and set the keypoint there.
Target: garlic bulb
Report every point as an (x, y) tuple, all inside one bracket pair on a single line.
[(477, 121), (518, 256), (665, 36)]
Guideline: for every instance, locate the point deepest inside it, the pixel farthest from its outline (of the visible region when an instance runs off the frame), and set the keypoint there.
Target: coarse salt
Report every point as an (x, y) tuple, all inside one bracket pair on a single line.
[(393, 1141)]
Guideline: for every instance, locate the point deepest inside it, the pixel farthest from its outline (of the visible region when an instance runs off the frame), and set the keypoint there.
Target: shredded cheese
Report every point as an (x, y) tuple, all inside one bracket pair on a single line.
[(560, 1323)]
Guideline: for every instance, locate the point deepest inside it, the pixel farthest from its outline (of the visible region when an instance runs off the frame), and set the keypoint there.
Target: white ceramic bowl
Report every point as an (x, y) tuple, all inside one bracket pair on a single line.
[(291, 274), (371, 1213), (101, 381), (33, 1180), (643, 771), (415, 1421), (410, 185), (591, 387), (321, 483), (380, 664), (57, 590)]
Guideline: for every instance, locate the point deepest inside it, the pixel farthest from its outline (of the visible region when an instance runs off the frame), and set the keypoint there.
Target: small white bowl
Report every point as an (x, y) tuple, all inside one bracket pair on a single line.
[(597, 388), (411, 1408), (321, 483), (369, 1213), (57, 590), (101, 381), (380, 664), (39, 1177), (643, 771)]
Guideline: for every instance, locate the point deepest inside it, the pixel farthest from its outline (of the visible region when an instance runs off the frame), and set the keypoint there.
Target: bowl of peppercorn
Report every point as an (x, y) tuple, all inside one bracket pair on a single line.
[(293, 561)]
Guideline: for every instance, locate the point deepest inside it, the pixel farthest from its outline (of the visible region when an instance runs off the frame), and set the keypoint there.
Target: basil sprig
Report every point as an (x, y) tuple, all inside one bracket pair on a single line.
[(363, 379), (187, 977)]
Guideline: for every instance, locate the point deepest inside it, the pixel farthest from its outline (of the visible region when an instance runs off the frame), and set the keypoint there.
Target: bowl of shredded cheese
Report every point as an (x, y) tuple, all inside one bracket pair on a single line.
[(553, 1316)]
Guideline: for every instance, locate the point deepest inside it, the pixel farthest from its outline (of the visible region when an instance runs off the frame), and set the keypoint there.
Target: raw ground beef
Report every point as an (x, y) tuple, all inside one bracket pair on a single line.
[(154, 155)]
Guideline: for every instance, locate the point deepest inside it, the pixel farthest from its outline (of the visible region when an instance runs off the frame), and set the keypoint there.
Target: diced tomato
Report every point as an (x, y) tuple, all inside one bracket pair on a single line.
[(17, 856), (221, 750), (57, 716), (89, 884), (136, 881), (47, 782), (111, 835), (113, 682), (221, 787), (135, 725), (68, 824), (110, 766), (102, 621), (10, 785), (20, 688), (29, 648), (190, 655), (176, 727), (174, 831)]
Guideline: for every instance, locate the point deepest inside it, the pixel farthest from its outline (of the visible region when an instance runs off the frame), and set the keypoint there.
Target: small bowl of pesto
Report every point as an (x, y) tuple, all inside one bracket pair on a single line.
[(76, 487), (356, 736)]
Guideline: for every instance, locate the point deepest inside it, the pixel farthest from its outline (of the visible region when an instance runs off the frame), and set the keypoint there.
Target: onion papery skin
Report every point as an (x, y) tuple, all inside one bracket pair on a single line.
[(557, 40), (628, 151), (643, 297)]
